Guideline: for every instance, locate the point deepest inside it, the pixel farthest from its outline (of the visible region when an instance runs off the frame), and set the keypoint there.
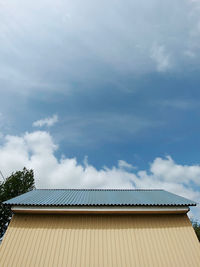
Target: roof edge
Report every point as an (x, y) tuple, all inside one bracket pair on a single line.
[(101, 210), (100, 205), (98, 189)]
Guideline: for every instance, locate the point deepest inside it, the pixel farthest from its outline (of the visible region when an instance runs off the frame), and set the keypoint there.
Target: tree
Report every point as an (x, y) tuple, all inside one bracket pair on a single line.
[(196, 226), (18, 183)]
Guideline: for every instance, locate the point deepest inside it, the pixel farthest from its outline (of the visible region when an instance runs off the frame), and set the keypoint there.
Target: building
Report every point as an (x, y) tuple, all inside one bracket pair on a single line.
[(90, 228)]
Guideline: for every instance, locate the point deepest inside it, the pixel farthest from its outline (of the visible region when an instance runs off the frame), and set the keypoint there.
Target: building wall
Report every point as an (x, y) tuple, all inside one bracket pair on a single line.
[(100, 240)]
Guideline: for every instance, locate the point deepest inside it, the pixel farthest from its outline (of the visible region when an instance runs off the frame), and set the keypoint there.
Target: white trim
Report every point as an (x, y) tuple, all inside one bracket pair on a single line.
[(28, 209)]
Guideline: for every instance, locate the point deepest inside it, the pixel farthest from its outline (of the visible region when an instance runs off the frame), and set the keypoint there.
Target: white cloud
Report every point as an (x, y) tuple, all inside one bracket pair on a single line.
[(50, 121), (73, 41), (37, 150), (161, 58), (124, 165)]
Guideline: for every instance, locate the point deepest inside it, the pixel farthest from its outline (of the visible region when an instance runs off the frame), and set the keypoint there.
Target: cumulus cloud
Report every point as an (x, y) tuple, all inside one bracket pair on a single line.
[(50, 121), (124, 165), (37, 150)]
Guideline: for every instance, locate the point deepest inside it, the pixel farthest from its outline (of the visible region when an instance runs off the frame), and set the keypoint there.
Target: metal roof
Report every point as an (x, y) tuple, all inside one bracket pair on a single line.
[(99, 197)]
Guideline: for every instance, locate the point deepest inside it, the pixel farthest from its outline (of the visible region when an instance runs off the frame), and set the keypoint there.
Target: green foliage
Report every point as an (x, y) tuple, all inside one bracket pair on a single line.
[(18, 183), (196, 226)]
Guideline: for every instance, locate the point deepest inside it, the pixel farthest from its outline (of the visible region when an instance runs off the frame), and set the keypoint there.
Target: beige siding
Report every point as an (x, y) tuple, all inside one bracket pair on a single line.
[(100, 240)]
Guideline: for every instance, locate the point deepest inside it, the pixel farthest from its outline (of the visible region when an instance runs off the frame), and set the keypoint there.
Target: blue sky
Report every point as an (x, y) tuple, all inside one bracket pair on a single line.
[(122, 80)]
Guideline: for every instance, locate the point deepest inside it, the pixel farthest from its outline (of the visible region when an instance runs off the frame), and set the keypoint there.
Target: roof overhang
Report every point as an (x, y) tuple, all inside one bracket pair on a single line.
[(100, 210)]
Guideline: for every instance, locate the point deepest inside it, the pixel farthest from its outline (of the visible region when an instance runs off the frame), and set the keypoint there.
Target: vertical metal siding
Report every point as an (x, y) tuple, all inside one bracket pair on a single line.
[(100, 240)]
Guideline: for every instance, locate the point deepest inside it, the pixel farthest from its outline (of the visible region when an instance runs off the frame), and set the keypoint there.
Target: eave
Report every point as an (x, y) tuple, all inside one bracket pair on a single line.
[(100, 210)]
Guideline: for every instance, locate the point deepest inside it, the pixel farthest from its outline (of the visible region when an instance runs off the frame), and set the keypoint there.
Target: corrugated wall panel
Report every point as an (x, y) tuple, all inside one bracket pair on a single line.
[(100, 240)]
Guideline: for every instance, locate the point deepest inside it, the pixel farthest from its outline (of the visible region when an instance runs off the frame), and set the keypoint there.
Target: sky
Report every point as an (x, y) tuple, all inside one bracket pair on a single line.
[(102, 94)]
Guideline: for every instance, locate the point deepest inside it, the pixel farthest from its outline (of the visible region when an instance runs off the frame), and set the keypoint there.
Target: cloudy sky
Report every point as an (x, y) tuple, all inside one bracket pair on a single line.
[(102, 94)]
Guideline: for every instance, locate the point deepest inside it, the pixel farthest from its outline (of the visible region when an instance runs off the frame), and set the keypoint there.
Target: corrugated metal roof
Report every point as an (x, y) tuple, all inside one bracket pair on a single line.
[(96, 241), (99, 197)]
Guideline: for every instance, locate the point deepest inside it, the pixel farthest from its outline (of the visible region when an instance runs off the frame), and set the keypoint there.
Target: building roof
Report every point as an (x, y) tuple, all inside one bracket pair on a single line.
[(99, 197)]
